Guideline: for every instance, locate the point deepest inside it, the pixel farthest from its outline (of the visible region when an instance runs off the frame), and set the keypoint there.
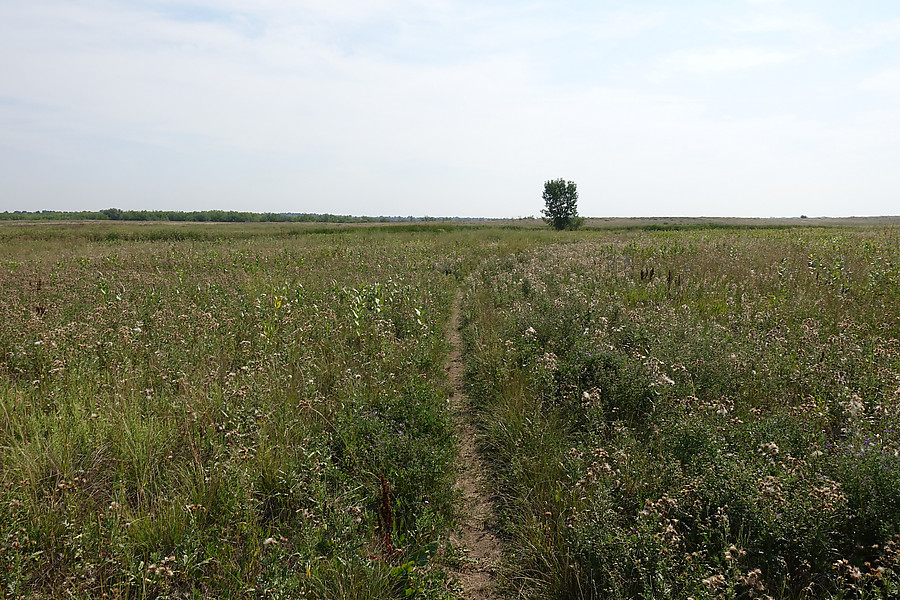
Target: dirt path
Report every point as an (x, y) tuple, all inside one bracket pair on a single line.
[(480, 547)]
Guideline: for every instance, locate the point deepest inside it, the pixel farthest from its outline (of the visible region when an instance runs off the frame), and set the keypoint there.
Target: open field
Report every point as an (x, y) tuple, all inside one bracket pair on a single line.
[(650, 223), (261, 410), (703, 414), (247, 416), (725, 222)]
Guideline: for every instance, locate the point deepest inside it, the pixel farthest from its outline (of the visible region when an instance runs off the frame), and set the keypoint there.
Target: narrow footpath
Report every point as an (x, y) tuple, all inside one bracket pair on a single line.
[(479, 546)]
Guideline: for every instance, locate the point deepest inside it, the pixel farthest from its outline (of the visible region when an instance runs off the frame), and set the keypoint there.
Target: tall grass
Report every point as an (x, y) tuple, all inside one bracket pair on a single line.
[(260, 410), (213, 416), (701, 414)]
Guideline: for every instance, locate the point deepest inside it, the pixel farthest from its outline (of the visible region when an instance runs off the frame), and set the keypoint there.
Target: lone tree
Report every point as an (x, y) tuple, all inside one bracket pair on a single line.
[(560, 200)]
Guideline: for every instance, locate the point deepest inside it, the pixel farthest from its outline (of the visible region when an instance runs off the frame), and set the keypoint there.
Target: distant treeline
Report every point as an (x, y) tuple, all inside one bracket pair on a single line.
[(200, 216)]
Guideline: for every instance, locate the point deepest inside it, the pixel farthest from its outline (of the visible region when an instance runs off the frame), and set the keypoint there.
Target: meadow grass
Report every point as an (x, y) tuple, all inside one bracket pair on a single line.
[(694, 414), (260, 410), (229, 414)]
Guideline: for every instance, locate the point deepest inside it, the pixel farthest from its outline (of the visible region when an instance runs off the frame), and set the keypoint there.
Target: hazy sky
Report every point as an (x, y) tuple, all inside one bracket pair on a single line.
[(451, 107)]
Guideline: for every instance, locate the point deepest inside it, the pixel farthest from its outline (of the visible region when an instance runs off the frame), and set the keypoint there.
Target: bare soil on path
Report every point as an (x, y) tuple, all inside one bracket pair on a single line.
[(479, 545)]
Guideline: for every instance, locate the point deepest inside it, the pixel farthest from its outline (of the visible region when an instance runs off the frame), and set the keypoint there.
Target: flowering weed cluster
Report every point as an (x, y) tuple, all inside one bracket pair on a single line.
[(698, 414), (212, 416)]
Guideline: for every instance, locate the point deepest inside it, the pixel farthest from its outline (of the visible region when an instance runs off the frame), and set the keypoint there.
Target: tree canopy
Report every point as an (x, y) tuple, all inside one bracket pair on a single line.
[(561, 204)]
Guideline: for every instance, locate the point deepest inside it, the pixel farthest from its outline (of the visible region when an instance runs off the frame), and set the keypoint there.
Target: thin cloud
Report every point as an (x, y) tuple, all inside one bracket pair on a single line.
[(800, 24), (886, 81), (714, 61)]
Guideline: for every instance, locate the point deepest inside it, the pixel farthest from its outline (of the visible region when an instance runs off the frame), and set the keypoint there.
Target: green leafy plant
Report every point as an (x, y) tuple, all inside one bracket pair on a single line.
[(561, 204)]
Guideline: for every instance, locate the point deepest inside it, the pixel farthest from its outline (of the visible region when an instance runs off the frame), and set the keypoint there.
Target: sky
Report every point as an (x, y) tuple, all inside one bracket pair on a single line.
[(451, 107)]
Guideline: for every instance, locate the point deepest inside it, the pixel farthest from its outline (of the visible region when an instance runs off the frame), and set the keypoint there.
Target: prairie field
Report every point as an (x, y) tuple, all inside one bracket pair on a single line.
[(261, 410)]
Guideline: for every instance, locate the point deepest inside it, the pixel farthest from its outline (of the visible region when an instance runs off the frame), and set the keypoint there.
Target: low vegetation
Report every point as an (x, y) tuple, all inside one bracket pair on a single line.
[(694, 414), (260, 410), (201, 216), (244, 417)]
